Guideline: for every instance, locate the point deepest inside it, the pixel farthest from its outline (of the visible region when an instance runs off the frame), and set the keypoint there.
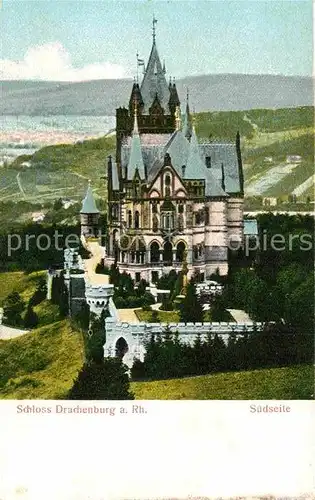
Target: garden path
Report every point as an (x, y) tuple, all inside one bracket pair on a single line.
[(240, 316)]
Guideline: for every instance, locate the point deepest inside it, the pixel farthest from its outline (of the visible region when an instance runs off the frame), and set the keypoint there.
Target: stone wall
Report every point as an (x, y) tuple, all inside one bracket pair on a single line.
[(136, 334)]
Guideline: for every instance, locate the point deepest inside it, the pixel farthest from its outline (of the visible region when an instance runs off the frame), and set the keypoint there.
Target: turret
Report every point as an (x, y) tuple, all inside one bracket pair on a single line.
[(187, 127), (135, 99), (174, 99), (135, 162), (89, 214)]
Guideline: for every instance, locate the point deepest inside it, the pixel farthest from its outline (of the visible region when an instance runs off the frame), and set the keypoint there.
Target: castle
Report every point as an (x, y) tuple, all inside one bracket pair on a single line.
[(169, 194), (174, 202)]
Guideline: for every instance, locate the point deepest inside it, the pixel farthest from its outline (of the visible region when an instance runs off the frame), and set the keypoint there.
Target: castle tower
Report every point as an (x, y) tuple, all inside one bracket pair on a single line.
[(155, 100), (89, 214)]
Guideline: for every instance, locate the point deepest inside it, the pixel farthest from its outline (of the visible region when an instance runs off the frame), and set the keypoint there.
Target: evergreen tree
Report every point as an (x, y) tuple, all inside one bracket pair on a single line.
[(191, 308), (97, 337), (30, 318), (63, 299), (40, 293), (105, 380), (13, 308), (217, 309)]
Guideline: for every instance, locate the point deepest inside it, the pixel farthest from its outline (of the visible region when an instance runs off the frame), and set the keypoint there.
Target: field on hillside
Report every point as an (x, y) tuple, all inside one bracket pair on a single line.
[(268, 138), (296, 382), (41, 364), (60, 171), (24, 284)]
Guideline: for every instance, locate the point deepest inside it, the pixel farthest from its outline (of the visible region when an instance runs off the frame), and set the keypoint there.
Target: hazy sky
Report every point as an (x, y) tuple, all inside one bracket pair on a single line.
[(87, 39)]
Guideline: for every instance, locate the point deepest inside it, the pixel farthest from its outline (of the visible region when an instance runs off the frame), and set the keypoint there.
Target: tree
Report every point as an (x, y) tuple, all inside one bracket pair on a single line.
[(106, 380), (191, 307), (30, 318), (299, 307), (58, 204), (40, 293), (218, 311), (13, 308), (97, 337)]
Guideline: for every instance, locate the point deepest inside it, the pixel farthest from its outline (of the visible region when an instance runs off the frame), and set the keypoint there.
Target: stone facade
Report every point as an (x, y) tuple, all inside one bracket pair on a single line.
[(170, 196)]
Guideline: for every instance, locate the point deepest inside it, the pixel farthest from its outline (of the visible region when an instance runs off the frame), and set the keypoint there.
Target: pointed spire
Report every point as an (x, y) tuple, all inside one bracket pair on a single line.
[(154, 80), (135, 159), (178, 122), (187, 128), (135, 121), (88, 204)]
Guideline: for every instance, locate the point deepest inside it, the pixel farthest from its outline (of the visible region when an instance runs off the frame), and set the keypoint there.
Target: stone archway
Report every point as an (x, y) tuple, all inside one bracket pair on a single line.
[(121, 348)]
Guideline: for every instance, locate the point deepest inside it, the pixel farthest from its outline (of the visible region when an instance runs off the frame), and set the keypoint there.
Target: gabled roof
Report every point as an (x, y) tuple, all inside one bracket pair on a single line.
[(88, 204), (135, 159), (154, 82)]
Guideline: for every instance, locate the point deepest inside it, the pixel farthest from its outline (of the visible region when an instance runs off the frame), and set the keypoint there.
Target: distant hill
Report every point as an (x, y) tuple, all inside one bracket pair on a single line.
[(270, 140), (208, 92)]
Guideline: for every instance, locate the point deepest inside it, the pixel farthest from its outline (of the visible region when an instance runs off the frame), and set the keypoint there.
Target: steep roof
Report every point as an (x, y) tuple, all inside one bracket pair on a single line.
[(135, 159), (178, 149), (196, 169), (88, 204), (154, 82)]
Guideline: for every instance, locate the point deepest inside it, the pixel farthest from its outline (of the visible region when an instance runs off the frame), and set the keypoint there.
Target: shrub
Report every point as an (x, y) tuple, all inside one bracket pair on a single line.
[(106, 380), (146, 308)]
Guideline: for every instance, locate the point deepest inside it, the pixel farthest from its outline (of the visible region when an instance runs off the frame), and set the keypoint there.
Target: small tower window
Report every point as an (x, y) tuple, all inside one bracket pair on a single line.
[(137, 220), (208, 161), (129, 218)]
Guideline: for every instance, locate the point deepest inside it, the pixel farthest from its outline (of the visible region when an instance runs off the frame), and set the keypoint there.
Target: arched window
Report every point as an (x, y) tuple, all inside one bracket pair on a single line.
[(167, 185), (180, 221), (154, 252), (155, 224), (168, 221), (137, 220), (129, 218), (168, 252), (180, 251)]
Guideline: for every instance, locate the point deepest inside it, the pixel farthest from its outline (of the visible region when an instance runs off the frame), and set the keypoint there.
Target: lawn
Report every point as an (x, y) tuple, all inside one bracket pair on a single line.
[(163, 316), (41, 364), (296, 382), (24, 284)]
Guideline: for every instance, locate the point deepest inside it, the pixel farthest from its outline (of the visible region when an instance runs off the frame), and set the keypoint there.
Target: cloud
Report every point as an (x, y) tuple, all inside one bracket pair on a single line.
[(52, 61)]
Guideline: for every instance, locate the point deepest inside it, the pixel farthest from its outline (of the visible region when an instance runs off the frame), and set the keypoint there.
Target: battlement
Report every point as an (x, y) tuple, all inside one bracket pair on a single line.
[(143, 328), (98, 296)]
